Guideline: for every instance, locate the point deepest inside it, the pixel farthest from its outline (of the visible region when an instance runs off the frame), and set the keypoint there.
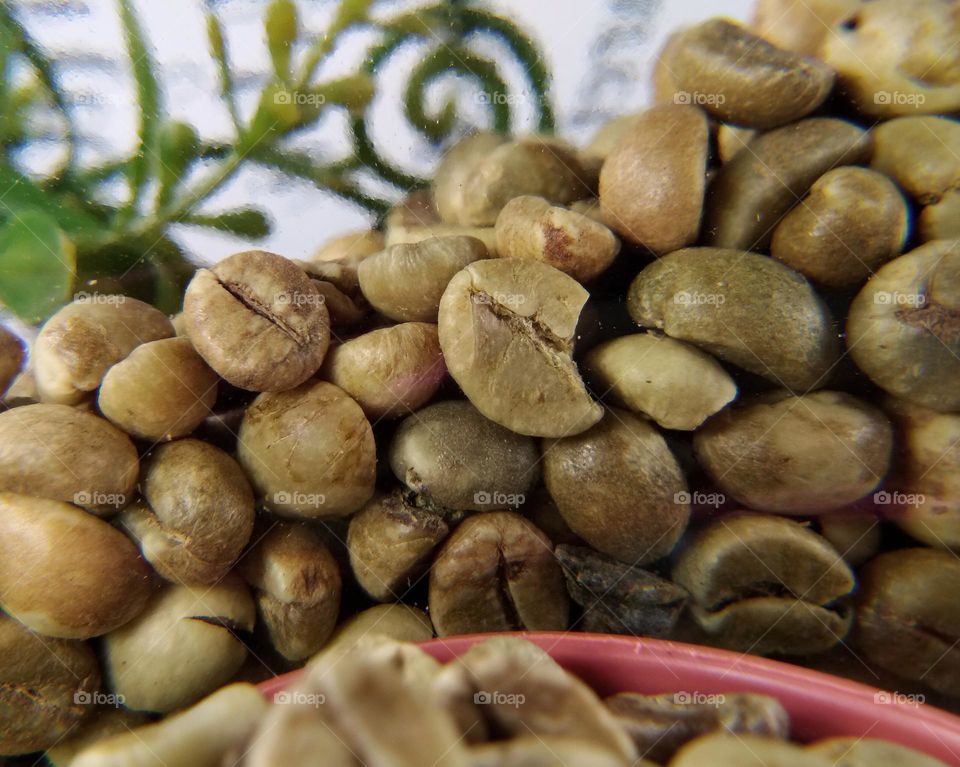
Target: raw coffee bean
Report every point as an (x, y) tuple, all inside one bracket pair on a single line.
[(102, 723), (801, 27), (652, 182), (497, 572), (408, 235), (797, 455), (855, 534), (396, 621), (617, 598), (506, 329), (903, 329), (868, 752), (619, 488), (12, 357), (744, 308), (941, 220), (751, 193), (731, 140), (537, 751), (920, 153), (724, 749), (353, 245), (742, 79), (258, 320)]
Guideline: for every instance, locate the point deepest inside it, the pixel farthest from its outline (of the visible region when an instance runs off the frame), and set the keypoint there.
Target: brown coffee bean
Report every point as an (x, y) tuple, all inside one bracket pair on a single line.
[(497, 572), (743, 79), (853, 221), (258, 320), (12, 357), (855, 534), (308, 452), (732, 140), (907, 616), (619, 488), (506, 329), (751, 193), (797, 455), (920, 154), (652, 182)]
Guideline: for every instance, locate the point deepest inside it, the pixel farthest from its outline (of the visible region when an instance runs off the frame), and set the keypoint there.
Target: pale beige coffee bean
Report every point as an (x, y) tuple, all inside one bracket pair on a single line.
[(652, 183), (297, 588), (765, 585), (894, 58), (605, 140), (61, 453), (405, 282), (198, 512), (742, 307), (619, 488), (80, 342), (941, 220), (451, 194), (308, 452), (903, 328), (65, 573), (182, 647), (339, 288), (672, 382), (103, 722), (549, 751), (408, 235), (395, 621), (258, 320), (589, 207), (48, 688), (724, 749), (506, 329), (920, 153), (353, 245), (797, 455), (415, 209), (751, 193), (801, 27), (22, 390), (853, 221), (199, 736), (870, 752), (161, 391), (530, 227), (497, 572), (390, 372), (12, 357), (742, 79)]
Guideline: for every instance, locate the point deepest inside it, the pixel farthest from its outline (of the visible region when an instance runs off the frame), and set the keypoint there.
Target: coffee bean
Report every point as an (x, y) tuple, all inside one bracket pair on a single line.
[(12, 357), (724, 749)]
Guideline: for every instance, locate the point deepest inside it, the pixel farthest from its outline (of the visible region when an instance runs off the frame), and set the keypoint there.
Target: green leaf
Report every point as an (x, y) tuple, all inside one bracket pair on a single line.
[(178, 146), (22, 193), (243, 222), (281, 28), (37, 266), (275, 114), (218, 49)]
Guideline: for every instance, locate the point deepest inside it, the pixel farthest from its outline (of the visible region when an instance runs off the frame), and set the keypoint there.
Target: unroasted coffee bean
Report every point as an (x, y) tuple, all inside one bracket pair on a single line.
[(461, 460), (674, 383), (409, 235), (652, 182), (801, 27), (258, 320), (389, 372), (903, 329), (619, 488), (870, 752), (65, 573), (353, 245), (743, 308), (925, 497), (198, 513), (941, 220), (78, 343), (102, 723), (405, 282), (532, 228), (506, 330), (547, 751), (182, 646), (797, 455), (297, 588), (852, 221), (661, 724), (391, 541), (617, 598), (724, 749), (12, 357), (497, 573), (339, 289), (920, 154), (750, 194), (743, 79), (308, 452), (454, 174), (61, 453), (765, 585), (396, 621), (907, 616), (855, 534), (47, 687), (162, 390)]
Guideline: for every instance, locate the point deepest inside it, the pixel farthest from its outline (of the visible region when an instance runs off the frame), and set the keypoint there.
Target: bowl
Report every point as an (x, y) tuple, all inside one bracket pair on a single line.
[(820, 705)]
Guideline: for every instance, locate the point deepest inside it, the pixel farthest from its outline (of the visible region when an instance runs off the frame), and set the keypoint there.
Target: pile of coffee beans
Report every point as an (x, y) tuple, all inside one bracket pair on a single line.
[(699, 379)]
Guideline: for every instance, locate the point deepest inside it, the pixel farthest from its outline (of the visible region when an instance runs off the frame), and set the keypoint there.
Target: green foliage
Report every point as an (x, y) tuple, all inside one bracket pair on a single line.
[(57, 234)]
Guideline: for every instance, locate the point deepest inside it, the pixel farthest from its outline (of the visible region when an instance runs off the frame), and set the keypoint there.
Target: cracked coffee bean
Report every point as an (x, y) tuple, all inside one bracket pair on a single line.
[(258, 320), (617, 598), (497, 572), (506, 330)]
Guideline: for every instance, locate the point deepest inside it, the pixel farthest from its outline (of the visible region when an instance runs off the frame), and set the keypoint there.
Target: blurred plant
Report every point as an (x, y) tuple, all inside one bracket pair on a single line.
[(65, 230)]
